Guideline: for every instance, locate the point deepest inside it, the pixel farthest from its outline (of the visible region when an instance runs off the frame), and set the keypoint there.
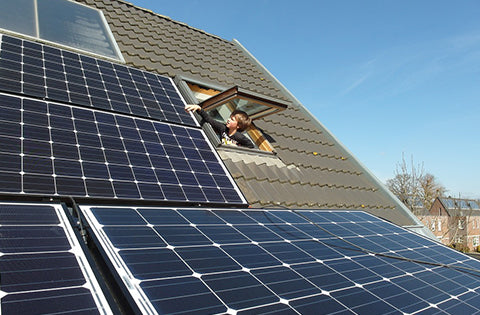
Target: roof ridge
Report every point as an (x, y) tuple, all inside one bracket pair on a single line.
[(172, 20)]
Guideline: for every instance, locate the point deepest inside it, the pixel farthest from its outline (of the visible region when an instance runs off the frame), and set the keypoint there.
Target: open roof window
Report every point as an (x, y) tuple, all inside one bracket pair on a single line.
[(235, 98), (220, 105), (61, 22)]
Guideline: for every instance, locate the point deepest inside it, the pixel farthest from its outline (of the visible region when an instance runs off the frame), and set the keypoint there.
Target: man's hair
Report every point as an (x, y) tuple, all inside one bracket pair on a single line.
[(243, 121)]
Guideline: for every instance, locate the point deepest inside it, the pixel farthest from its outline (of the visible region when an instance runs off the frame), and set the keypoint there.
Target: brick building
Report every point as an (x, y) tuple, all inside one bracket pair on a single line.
[(455, 222)]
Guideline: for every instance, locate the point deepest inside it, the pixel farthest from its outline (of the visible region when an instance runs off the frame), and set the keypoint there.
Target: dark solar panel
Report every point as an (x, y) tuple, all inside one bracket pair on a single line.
[(42, 266), (46, 72), (196, 261), (53, 149)]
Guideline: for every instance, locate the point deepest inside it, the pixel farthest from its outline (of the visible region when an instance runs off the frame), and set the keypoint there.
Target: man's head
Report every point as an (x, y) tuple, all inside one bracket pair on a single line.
[(239, 120)]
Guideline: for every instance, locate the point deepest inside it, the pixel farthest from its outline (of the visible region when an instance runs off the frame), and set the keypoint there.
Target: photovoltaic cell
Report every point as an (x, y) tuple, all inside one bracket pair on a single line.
[(46, 72), (43, 269), (206, 261), (54, 149)]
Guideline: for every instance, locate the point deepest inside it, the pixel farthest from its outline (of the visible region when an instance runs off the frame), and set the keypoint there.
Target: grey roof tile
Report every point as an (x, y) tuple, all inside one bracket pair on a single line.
[(261, 196), (288, 174)]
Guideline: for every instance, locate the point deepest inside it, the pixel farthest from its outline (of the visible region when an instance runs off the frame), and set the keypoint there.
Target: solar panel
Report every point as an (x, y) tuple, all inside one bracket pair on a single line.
[(449, 203), (473, 205), (463, 204), (42, 265), (46, 72), (49, 148), (195, 261)]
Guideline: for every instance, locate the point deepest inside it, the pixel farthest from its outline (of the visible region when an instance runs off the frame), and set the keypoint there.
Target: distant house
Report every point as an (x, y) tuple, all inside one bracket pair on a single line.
[(455, 222)]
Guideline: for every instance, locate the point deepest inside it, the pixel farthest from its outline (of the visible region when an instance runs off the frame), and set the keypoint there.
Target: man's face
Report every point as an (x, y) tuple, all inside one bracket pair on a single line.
[(232, 123)]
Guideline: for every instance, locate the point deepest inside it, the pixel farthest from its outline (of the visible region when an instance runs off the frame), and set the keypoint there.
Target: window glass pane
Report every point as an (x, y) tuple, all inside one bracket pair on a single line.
[(74, 25), (221, 113), (17, 16), (248, 107)]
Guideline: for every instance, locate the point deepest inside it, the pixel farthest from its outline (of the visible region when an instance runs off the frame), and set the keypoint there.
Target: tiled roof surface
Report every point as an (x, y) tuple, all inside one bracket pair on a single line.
[(310, 170)]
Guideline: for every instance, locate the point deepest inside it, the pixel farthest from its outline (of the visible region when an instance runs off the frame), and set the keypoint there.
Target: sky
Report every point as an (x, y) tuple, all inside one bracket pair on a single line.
[(390, 79)]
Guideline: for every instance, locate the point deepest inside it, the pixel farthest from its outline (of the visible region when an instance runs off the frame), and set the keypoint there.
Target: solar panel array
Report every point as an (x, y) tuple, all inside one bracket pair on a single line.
[(191, 261), (42, 266), (72, 125), (49, 73), (53, 148)]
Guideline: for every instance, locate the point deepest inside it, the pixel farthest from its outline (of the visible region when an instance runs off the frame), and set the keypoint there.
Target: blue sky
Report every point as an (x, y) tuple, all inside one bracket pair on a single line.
[(385, 77)]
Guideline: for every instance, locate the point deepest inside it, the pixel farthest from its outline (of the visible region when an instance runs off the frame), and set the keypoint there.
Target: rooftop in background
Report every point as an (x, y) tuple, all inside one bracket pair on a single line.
[(460, 204)]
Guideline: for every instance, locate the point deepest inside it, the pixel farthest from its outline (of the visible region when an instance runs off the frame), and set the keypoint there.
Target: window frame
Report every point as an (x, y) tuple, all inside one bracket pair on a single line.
[(191, 88), (235, 92)]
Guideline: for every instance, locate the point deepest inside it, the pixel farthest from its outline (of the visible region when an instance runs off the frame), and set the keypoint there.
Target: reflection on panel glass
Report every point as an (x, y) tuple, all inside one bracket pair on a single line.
[(74, 25), (62, 22), (18, 16)]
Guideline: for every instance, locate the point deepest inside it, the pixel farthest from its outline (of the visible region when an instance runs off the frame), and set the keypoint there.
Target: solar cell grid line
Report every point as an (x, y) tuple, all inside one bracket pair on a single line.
[(56, 149), (215, 253), (43, 267), (46, 72)]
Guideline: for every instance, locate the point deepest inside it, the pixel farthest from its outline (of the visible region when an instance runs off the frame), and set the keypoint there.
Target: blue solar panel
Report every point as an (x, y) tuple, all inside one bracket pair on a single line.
[(473, 205), (252, 261), (54, 149), (46, 72), (43, 269)]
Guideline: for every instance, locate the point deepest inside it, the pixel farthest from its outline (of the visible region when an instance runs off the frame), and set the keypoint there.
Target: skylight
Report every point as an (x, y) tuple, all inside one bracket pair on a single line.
[(61, 22)]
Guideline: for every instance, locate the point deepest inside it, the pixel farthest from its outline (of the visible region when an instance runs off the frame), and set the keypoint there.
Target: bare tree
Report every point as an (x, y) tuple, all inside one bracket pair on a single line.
[(413, 187), (430, 189), (458, 228), (405, 183)]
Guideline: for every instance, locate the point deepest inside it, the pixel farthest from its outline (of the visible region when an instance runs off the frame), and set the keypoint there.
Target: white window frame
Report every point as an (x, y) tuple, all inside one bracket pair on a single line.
[(475, 240)]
